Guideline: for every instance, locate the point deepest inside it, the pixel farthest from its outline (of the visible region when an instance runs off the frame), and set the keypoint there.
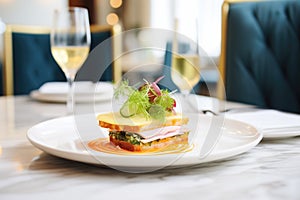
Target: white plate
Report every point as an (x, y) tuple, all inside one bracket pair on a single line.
[(84, 92), (62, 138)]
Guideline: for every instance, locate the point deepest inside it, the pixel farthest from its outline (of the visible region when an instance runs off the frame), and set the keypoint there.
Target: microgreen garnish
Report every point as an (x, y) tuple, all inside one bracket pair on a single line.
[(123, 89), (148, 100)]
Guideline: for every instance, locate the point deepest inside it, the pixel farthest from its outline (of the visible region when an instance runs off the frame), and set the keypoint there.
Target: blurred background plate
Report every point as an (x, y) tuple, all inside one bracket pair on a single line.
[(83, 92)]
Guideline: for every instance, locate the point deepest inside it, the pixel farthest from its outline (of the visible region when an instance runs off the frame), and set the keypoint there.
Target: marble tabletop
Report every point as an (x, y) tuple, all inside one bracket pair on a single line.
[(268, 171)]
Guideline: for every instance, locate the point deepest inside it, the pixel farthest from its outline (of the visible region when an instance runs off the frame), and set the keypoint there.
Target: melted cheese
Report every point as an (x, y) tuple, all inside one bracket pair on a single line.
[(116, 118)]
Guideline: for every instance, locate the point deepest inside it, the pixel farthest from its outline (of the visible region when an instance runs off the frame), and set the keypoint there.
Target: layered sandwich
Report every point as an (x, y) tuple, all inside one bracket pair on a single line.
[(147, 120), (137, 133)]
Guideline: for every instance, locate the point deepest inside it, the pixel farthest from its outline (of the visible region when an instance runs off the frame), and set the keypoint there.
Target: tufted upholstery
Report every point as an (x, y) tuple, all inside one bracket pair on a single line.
[(262, 54)]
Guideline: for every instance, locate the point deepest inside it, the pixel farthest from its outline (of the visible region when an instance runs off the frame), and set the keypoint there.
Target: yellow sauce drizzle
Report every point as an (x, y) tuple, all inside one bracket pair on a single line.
[(104, 145)]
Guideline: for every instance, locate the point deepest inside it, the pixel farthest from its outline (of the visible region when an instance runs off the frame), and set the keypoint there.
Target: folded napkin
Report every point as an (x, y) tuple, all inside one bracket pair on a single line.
[(272, 123), (83, 87)]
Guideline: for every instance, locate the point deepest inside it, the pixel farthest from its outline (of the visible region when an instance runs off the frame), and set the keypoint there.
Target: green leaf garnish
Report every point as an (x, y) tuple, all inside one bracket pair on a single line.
[(157, 112), (123, 90), (148, 100), (138, 103), (165, 100)]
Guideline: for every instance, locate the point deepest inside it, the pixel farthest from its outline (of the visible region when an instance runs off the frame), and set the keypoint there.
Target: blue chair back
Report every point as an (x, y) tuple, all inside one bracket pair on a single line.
[(33, 62), (29, 62), (100, 66), (260, 54)]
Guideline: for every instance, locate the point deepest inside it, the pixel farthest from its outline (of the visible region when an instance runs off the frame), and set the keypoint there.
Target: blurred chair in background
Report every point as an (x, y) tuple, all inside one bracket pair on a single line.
[(28, 62), (104, 66), (260, 56)]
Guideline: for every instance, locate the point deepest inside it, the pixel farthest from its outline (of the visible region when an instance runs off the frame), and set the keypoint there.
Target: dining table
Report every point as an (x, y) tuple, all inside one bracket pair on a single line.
[(269, 170)]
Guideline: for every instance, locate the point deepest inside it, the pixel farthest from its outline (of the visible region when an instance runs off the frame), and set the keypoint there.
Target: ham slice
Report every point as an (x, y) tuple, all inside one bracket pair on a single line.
[(161, 133)]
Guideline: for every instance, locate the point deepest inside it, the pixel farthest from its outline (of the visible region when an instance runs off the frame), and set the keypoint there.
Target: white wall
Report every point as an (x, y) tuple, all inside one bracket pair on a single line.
[(208, 13)]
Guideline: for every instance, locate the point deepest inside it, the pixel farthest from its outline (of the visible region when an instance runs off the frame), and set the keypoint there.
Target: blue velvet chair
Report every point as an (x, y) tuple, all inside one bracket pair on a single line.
[(29, 62), (260, 56)]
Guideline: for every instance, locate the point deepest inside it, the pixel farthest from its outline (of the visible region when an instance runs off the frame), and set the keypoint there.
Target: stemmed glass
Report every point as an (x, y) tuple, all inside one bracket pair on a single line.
[(185, 71), (70, 44)]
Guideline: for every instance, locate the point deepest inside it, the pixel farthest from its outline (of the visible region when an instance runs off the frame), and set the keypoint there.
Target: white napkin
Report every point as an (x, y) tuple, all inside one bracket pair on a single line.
[(83, 87), (272, 123)]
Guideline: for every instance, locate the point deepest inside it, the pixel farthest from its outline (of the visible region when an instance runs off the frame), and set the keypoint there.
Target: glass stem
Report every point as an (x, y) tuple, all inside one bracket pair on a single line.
[(70, 102), (188, 107), (185, 94)]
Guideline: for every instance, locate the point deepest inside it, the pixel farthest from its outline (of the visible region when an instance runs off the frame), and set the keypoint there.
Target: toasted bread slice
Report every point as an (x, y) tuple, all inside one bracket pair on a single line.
[(115, 122)]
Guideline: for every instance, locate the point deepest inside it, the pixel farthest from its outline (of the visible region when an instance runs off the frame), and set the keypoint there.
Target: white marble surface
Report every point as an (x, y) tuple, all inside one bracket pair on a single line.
[(271, 170)]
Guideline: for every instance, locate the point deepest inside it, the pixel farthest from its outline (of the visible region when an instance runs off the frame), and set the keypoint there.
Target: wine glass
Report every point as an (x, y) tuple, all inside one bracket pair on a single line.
[(185, 71), (70, 44)]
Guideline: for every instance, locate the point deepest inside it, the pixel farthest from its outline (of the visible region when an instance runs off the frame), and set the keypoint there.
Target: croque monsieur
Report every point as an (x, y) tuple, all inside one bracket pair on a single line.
[(147, 120), (139, 134)]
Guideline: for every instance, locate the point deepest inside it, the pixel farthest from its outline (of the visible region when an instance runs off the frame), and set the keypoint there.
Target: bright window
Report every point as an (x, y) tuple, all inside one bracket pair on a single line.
[(207, 12)]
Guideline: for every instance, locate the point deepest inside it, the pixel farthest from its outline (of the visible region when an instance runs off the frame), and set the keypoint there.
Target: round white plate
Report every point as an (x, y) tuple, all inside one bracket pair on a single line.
[(62, 138), (85, 92)]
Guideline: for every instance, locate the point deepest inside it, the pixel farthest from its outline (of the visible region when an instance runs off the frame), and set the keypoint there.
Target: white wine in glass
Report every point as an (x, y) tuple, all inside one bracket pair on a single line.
[(70, 44), (185, 55), (185, 68), (185, 71)]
